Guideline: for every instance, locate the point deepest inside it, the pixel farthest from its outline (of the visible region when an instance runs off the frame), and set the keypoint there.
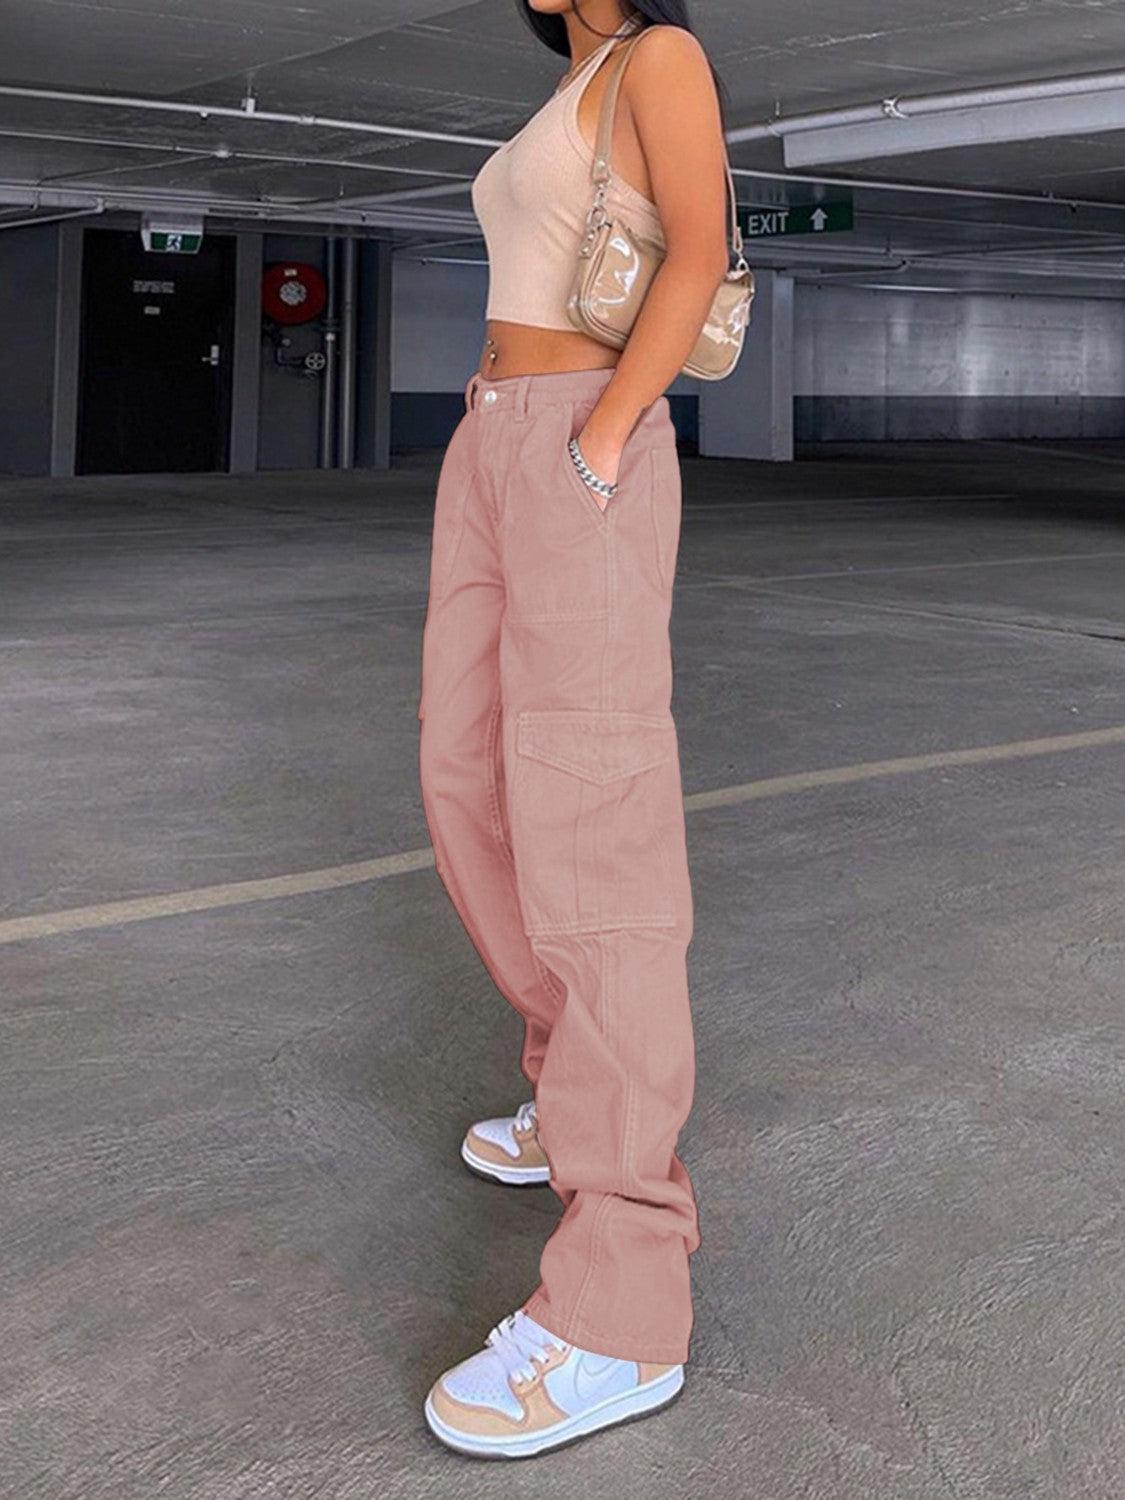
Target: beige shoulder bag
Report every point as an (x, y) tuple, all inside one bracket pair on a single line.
[(616, 265)]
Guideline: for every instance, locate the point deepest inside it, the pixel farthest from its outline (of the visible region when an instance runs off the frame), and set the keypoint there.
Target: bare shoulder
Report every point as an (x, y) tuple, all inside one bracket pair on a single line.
[(667, 54)]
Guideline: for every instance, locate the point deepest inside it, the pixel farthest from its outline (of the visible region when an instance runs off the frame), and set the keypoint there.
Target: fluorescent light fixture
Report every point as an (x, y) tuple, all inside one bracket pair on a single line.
[(448, 260), (983, 125), (898, 286)]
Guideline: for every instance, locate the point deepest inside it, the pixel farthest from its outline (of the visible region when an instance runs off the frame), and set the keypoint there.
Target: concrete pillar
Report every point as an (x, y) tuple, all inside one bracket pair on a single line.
[(373, 385), (750, 413), (68, 343), (246, 356)]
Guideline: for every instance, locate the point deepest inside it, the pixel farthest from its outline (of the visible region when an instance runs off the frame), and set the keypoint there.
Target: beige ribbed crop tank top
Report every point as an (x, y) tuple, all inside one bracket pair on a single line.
[(531, 197)]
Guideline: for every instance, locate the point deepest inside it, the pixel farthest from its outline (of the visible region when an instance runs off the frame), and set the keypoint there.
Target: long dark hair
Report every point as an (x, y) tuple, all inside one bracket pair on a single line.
[(551, 29)]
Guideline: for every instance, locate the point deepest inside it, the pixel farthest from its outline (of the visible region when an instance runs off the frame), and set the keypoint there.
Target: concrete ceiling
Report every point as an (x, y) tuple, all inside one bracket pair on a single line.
[(475, 70)]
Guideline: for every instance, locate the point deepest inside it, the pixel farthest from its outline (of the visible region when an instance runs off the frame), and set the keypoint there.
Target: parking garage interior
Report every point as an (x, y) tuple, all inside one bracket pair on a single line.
[(241, 291)]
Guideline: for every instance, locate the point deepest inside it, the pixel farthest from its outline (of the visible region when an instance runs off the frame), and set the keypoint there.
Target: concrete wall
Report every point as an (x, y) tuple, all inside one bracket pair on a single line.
[(438, 325), (869, 364), (28, 272), (873, 365), (436, 345)]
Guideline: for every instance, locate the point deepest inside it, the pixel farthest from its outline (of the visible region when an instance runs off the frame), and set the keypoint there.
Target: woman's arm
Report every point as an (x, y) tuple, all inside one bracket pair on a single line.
[(671, 94)]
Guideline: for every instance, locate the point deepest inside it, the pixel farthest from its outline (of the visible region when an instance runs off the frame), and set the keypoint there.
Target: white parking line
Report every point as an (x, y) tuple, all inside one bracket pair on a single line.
[(1040, 449), (272, 888), (788, 506), (212, 897), (734, 579), (870, 770)]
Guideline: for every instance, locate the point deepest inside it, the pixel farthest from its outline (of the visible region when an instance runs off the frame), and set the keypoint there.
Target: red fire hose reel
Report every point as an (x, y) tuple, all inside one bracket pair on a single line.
[(293, 292)]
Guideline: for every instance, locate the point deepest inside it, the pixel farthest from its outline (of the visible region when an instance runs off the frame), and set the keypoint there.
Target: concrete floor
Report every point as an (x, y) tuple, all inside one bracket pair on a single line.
[(237, 1242)]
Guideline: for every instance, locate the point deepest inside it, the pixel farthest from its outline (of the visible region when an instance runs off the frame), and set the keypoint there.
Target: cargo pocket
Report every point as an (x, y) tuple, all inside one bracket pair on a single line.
[(592, 799)]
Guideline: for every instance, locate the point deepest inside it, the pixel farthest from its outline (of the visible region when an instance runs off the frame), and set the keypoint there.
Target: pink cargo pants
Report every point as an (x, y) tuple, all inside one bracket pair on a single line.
[(551, 785)]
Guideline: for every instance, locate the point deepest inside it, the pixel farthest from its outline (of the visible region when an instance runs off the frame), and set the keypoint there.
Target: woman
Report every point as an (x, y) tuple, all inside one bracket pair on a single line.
[(549, 759)]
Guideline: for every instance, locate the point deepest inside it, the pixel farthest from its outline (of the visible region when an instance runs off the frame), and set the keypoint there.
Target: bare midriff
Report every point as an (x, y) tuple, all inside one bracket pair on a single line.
[(521, 349)]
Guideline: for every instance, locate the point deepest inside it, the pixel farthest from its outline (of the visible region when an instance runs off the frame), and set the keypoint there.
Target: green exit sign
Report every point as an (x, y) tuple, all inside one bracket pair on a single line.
[(172, 234), (829, 217), (172, 242)]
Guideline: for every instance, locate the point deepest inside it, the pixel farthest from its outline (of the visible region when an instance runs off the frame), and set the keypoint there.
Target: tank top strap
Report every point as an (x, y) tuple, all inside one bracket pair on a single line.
[(589, 65)]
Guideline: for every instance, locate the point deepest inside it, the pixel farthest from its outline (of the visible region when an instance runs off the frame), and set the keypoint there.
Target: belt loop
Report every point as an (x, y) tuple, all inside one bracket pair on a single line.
[(520, 410), (471, 389)]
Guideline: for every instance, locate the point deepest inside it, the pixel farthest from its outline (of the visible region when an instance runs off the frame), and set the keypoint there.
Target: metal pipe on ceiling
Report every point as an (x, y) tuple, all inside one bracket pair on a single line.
[(180, 159), (895, 107), (898, 108), (786, 255), (1058, 247), (87, 202), (935, 190), (395, 195), (1003, 93), (219, 153), (983, 266), (802, 273), (459, 181), (74, 213), (27, 194), (882, 184), (444, 243), (247, 111), (889, 216)]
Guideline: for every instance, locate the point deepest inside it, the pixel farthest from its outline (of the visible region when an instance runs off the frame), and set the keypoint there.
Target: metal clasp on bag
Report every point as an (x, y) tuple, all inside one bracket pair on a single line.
[(740, 266), (596, 217)]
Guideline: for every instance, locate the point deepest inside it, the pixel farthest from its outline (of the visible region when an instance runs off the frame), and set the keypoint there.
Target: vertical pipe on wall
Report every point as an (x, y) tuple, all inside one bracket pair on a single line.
[(384, 310), (331, 334), (346, 448)]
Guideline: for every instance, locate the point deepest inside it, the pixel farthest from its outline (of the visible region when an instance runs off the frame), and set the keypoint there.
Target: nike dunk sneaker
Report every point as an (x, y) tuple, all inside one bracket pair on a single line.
[(507, 1150), (527, 1391)]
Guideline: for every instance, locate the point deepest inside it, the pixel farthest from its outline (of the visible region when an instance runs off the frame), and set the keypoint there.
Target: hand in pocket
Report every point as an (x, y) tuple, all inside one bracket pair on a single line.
[(601, 453)]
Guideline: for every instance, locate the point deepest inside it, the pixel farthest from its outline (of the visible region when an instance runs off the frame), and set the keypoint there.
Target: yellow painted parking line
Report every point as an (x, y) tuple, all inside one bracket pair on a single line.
[(309, 882)]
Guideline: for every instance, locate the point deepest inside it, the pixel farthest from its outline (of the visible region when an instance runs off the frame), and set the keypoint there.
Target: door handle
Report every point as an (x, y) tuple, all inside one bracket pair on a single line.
[(213, 357)]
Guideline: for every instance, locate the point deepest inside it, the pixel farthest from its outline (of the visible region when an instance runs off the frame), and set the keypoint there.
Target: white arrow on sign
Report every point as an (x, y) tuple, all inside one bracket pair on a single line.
[(819, 219)]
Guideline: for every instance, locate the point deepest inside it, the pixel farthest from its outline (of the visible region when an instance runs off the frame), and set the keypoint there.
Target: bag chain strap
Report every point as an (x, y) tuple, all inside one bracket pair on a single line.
[(597, 215)]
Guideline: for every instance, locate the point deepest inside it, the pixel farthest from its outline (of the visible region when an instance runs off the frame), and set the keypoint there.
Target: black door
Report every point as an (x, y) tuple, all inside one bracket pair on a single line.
[(155, 373)]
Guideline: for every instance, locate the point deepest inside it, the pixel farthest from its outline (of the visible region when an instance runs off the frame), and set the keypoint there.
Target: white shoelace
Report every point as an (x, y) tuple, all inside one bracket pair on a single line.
[(526, 1116), (516, 1339)]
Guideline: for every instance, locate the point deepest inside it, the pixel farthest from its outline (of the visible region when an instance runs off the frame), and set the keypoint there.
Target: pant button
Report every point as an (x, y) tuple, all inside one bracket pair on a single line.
[(489, 397)]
